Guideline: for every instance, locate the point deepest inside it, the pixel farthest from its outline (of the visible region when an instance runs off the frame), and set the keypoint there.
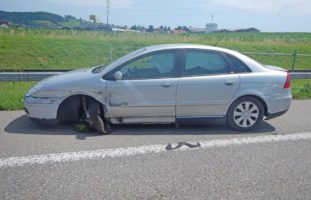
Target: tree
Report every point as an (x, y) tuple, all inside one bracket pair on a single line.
[(134, 28), (69, 17), (142, 28), (150, 29)]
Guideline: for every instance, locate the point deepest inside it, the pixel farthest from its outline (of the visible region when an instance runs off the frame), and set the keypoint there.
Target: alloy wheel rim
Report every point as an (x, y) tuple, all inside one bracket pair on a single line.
[(246, 114)]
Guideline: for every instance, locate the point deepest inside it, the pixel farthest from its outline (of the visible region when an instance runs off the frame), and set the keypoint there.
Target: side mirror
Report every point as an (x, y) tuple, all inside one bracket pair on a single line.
[(118, 75)]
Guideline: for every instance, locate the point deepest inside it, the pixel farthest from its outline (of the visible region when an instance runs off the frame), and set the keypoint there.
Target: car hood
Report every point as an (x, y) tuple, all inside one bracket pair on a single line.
[(82, 81), (68, 77)]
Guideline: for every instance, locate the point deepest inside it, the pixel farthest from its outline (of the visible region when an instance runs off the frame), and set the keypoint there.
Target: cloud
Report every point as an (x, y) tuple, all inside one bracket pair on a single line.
[(286, 7)]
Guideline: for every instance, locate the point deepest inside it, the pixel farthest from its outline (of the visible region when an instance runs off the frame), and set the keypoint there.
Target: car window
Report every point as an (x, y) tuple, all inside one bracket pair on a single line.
[(205, 63), (157, 65), (239, 66)]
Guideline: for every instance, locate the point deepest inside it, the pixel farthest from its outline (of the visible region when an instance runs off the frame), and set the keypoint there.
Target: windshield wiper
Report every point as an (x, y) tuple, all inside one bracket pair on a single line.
[(98, 69)]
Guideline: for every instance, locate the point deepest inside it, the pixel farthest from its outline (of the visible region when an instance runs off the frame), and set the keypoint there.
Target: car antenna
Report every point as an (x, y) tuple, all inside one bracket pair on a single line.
[(219, 40), (110, 55)]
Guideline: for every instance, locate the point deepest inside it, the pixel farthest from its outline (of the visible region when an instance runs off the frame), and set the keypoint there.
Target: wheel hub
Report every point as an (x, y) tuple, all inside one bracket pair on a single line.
[(246, 114)]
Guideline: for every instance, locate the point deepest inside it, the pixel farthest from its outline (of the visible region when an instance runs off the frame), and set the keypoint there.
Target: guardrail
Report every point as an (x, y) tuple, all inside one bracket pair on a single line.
[(294, 55), (300, 75), (26, 76), (37, 76)]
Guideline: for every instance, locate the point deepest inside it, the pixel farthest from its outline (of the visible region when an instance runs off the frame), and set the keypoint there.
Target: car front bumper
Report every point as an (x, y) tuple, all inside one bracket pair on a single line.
[(41, 108)]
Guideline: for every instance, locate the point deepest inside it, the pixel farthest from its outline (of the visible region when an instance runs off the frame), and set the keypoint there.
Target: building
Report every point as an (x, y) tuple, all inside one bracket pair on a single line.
[(5, 24), (176, 31), (211, 27), (250, 30), (196, 30), (246, 30), (118, 30)]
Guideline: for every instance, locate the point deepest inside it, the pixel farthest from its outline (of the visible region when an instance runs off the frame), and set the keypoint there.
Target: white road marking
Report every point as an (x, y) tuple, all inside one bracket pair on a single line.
[(132, 151)]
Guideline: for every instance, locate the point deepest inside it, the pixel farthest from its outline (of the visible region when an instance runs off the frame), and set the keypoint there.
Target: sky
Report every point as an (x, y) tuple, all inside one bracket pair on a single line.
[(266, 15)]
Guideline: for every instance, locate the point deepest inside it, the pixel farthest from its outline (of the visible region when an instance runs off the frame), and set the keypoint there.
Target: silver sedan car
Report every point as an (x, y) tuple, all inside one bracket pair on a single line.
[(174, 83)]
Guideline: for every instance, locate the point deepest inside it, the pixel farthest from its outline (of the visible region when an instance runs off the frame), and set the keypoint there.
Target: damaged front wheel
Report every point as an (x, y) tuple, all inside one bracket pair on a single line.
[(96, 120)]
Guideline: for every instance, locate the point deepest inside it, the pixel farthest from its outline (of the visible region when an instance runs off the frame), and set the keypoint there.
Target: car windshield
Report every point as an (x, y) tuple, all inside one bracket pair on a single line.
[(119, 61)]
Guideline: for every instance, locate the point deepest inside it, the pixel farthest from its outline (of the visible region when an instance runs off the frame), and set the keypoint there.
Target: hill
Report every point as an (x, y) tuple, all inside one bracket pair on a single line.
[(31, 17)]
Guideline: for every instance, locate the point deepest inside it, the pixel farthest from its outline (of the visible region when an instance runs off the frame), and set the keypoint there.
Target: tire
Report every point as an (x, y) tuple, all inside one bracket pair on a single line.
[(96, 121), (245, 114)]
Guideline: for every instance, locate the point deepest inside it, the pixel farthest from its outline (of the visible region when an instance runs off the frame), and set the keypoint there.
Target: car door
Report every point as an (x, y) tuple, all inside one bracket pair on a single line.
[(147, 91), (207, 85)]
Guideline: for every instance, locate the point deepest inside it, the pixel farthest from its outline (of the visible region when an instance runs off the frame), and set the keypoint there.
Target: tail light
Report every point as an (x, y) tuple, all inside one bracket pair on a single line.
[(287, 84)]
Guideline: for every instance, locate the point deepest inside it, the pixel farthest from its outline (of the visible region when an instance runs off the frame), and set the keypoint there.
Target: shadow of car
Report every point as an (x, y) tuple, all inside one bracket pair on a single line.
[(23, 125)]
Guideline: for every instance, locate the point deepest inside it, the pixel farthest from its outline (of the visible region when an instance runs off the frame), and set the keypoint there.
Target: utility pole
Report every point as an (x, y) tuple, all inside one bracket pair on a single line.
[(108, 7)]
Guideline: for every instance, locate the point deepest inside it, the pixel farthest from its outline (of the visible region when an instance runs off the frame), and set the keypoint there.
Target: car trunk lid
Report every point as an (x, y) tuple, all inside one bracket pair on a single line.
[(276, 68)]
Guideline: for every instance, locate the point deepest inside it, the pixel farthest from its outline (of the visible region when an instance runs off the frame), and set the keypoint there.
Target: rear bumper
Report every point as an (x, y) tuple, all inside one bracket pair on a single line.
[(274, 115), (278, 106)]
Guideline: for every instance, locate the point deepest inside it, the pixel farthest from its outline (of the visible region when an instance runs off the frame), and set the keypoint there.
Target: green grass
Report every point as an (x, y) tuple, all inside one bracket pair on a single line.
[(44, 23), (71, 23), (68, 49), (12, 93), (301, 89)]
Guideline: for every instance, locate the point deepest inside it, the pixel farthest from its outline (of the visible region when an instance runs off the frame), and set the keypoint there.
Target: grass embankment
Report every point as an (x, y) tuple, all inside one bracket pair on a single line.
[(63, 49), (22, 49), (12, 93)]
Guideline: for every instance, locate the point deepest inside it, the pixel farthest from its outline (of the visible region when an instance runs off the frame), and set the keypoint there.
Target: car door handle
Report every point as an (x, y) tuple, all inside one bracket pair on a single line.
[(166, 85), (229, 83)]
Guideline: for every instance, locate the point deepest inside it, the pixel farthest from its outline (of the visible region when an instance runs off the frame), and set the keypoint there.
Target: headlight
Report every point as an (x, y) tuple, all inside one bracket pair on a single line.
[(48, 93), (33, 90)]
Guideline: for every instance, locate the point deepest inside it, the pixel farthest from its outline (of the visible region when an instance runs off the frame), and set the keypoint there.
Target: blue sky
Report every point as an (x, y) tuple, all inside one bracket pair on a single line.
[(267, 15)]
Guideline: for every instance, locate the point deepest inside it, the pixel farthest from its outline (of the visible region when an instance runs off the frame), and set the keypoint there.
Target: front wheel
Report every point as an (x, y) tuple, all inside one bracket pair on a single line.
[(97, 122), (245, 114)]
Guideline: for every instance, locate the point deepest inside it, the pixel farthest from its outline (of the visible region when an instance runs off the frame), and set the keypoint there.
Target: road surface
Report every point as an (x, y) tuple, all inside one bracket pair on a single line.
[(157, 162)]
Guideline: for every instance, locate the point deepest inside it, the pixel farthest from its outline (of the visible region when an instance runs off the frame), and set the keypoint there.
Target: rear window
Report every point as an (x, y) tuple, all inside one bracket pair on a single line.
[(239, 66)]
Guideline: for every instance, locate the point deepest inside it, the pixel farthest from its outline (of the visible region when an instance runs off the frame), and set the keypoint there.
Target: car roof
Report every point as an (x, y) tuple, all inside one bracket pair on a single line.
[(182, 46)]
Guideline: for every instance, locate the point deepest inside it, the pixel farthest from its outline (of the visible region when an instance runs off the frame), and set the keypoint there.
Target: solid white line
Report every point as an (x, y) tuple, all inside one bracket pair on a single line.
[(131, 151)]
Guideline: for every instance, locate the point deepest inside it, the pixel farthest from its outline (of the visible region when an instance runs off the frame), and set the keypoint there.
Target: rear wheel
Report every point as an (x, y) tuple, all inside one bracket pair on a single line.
[(245, 114), (97, 122)]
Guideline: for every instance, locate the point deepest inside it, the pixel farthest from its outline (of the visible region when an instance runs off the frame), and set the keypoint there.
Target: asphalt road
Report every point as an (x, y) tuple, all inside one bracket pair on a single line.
[(274, 162)]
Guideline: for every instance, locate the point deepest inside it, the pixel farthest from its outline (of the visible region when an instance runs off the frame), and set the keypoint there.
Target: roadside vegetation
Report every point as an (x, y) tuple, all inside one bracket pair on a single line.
[(12, 94), (22, 49), (301, 89)]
